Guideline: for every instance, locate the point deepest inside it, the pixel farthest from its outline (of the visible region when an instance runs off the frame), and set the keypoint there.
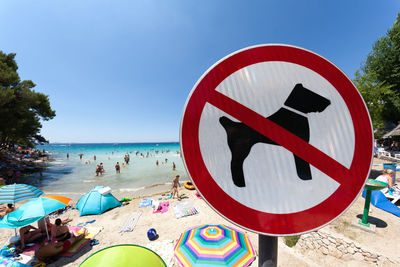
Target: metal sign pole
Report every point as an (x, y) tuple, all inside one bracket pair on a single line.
[(267, 251)]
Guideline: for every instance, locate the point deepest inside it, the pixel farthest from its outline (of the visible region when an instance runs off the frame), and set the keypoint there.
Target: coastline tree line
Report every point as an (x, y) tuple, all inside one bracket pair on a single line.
[(21, 108), (378, 79)]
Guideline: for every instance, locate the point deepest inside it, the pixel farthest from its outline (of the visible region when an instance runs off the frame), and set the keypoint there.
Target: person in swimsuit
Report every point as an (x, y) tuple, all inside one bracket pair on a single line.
[(59, 231), (28, 236), (117, 167), (47, 252), (386, 177), (42, 223), (4, 211), (175, 184)]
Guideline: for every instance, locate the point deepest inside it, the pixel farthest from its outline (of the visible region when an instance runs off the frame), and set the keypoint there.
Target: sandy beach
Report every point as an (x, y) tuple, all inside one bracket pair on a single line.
[(380, 248)]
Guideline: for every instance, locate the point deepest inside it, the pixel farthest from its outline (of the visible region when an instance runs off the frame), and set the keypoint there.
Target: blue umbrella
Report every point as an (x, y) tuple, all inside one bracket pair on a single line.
[(30, 212), (18, 192)]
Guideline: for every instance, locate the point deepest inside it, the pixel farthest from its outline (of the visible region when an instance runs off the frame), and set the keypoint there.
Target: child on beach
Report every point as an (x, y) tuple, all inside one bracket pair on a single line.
[(175, 184)]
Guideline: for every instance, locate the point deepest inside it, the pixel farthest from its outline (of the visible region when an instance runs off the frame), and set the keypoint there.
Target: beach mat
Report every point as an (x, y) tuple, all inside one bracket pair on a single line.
[(183, 209), (91, 233), (146, 202), (379, 200), (131, 222)]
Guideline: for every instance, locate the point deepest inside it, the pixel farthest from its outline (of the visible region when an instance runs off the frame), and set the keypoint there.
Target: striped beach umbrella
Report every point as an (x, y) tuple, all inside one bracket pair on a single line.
[(213, 245), (17, 192)]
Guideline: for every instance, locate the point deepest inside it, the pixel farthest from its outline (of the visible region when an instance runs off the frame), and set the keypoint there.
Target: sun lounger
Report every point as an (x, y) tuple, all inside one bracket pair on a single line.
[(131, 222), (379, 200), (393, 197)]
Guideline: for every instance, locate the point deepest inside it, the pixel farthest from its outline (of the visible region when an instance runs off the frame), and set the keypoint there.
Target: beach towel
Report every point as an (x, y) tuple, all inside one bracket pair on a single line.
[(91, 233), (165, 249), (8, 257), (131, 222), (183, 209), (146, 202), (10, 262), (163, 207), (379, 200)]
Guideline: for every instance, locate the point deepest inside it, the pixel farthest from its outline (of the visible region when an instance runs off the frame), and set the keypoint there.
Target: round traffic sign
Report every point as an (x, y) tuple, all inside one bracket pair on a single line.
[(277, 139)]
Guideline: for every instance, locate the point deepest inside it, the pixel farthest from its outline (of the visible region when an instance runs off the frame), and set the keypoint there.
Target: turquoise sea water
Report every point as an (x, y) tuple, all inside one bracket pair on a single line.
[(75, 176)]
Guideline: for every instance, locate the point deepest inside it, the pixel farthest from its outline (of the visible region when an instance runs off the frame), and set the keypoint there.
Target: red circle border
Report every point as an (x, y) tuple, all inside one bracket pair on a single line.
[(258, 221)]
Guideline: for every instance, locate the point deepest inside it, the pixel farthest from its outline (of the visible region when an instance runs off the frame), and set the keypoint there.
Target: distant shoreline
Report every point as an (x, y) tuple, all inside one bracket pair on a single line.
[(109, 143)]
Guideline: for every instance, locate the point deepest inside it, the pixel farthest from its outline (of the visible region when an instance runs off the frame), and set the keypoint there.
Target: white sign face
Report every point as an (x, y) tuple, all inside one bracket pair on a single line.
[(270, 172)]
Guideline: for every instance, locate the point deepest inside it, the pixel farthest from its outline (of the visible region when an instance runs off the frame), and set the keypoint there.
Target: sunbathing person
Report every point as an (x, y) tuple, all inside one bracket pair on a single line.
[(60, 231), (42, 223), (9, 208), (28, 236), (48, 252)]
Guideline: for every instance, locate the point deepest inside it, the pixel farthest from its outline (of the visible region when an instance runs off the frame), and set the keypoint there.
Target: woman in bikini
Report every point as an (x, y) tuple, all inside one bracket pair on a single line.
[(175, 184), (59, 231)]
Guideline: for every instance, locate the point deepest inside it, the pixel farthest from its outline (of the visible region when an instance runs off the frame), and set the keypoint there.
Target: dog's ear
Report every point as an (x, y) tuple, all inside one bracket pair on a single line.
[(305, 100)]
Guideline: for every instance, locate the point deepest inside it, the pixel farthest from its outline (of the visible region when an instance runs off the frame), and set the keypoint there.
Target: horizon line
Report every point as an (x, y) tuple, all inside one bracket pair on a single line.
[(116, 143)]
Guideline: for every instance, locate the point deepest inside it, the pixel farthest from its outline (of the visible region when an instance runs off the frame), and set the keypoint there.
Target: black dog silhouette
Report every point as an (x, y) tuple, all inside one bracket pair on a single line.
[(241, 137)]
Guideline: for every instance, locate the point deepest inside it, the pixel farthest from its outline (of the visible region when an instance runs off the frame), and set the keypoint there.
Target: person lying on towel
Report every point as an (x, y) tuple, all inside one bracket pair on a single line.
[(48, 252)]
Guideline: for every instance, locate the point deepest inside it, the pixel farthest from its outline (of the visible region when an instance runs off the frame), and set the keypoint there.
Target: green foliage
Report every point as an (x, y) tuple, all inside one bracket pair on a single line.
[(21, 108), (379, 78), (291, 241), (375, 95)]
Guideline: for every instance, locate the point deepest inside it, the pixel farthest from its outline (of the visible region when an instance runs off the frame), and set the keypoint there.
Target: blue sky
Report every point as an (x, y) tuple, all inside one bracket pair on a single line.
[(120, 71)]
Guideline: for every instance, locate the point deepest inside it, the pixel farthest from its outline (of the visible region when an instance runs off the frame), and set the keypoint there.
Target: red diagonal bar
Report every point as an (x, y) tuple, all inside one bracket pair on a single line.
[(283, 137)]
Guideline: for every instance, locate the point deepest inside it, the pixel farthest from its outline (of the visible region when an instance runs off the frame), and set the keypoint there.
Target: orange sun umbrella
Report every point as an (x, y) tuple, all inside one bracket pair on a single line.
[(64, 200)]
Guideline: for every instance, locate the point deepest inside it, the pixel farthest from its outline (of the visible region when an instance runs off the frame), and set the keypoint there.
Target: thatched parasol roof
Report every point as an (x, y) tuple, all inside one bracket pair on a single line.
[(394, 132)]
